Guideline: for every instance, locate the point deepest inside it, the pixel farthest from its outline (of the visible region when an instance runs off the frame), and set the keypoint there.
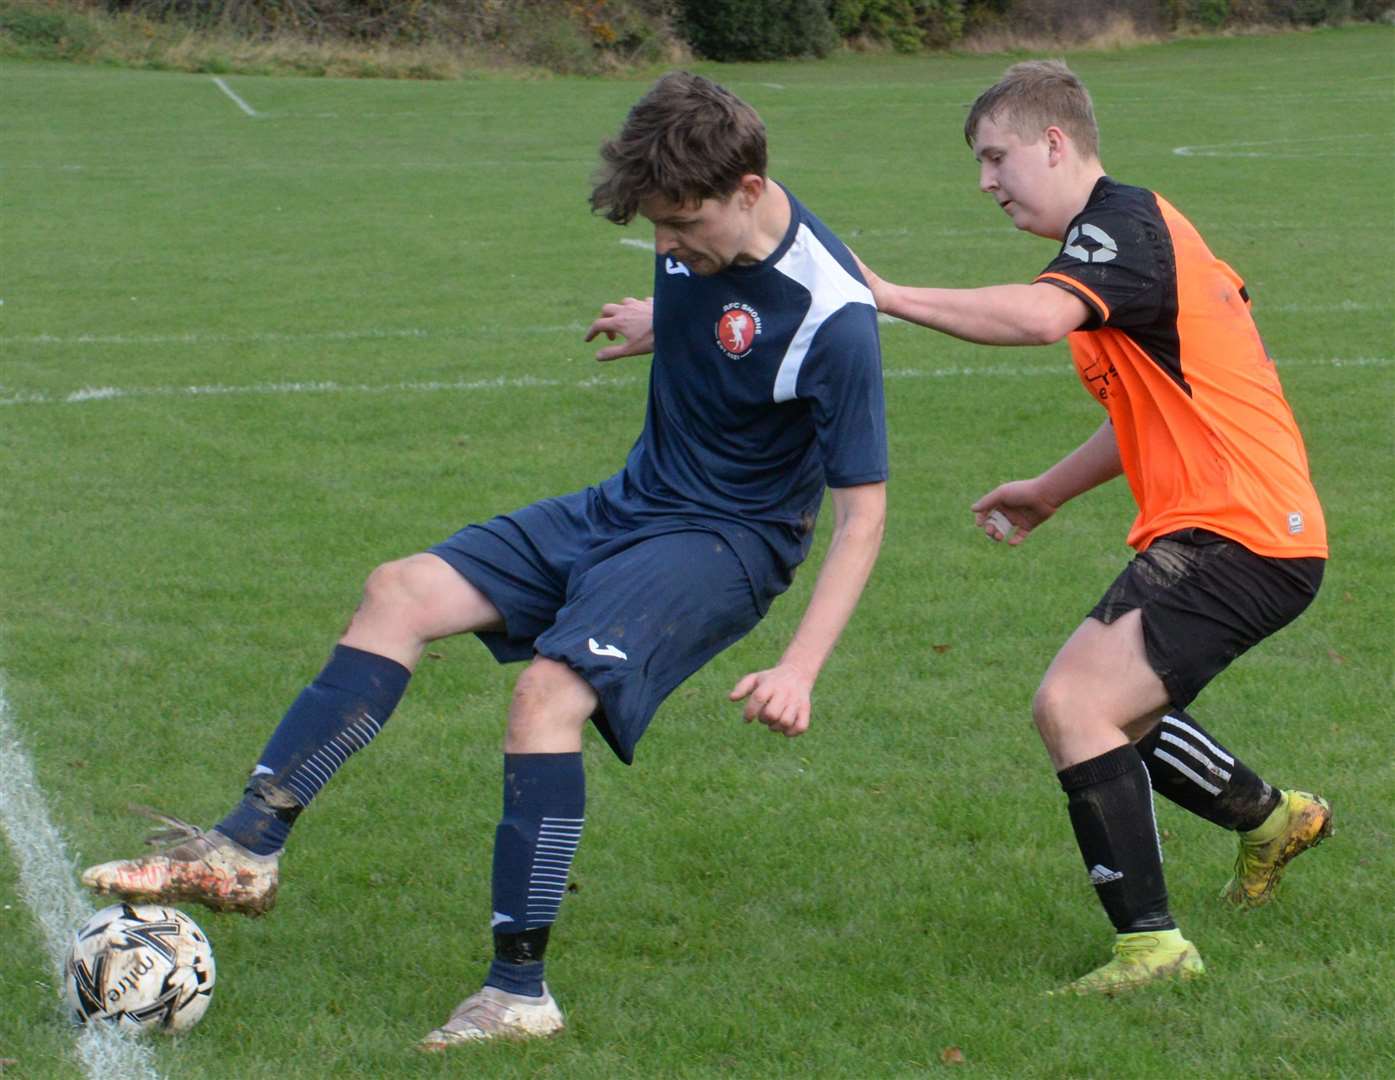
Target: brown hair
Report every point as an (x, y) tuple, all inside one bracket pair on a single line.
[(686, 140), (1034, 95)]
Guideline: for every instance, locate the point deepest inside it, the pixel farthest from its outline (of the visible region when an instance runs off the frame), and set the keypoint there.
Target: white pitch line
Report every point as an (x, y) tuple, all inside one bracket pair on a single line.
[(111, 393), (643, 245), (197, 338), (452, 332), (603, 379), (221, 85), (1274, 148), (1344, 306), (46, 885)]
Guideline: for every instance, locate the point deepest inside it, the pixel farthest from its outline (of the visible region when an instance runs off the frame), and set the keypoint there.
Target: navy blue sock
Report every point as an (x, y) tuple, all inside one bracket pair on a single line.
[(337, 714), (544, 810)]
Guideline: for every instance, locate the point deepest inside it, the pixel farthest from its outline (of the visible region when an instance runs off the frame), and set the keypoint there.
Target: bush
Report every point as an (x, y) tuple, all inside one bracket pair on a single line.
[(1285, 12), (567, 36), (447, 38), (52, 34), (1308, 12), (758, 29), (1211, 14), (906, 25)]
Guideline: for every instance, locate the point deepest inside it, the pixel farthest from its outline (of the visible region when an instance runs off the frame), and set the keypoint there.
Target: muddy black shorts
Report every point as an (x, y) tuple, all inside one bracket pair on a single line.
[(1205, 600)]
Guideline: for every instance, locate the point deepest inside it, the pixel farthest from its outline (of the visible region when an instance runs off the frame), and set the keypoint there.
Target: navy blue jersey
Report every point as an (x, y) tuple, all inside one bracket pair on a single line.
[(766, 385)]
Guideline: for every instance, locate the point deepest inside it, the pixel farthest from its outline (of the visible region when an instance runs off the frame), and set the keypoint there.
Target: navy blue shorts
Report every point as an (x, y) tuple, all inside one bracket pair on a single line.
[(632, 608), (1206, 599)]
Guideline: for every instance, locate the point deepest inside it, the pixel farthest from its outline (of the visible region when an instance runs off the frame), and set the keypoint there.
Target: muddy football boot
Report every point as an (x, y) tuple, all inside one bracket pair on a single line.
[(1139, 960), (205, 868), (1299, 822), (496, 1014)]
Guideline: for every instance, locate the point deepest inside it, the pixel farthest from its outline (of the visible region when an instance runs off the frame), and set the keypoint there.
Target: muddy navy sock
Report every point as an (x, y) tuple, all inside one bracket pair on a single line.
[(544, 810), (1111, 810), (337, 714), (1189, 767)]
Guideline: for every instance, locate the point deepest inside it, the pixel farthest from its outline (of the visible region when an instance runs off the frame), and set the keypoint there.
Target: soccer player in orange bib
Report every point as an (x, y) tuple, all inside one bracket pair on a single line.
[(1229, 536)]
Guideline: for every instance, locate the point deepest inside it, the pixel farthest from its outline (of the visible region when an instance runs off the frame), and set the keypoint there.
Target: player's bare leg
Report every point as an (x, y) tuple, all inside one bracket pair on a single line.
[(1099, 692), (412, 602), (235, 866)]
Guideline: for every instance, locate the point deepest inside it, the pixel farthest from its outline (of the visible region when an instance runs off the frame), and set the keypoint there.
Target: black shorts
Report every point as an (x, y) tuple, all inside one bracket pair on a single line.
[(1205, 600)]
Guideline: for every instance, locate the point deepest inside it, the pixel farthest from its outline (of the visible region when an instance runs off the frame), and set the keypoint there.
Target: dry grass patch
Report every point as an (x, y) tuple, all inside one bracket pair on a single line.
[(1115, 32)]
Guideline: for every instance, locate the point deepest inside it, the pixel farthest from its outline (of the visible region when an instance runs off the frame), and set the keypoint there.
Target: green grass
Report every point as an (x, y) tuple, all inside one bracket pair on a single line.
[(387, 284)]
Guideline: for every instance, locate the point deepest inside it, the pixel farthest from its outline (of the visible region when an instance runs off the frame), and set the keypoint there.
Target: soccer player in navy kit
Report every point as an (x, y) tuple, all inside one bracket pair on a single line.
[(765, 389)]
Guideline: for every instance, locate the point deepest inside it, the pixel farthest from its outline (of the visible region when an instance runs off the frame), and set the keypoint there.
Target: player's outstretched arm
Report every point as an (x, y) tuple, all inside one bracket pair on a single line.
[(630, 319), (1027, 503), (780, 697), (1036, 314)]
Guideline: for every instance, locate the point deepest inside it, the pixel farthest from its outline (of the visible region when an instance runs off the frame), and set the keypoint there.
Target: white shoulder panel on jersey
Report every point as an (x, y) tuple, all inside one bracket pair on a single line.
[(831, 289)]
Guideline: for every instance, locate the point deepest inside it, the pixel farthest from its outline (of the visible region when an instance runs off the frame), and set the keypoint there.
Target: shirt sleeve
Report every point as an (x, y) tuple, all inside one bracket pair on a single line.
[(1118, 263), (842, 381)]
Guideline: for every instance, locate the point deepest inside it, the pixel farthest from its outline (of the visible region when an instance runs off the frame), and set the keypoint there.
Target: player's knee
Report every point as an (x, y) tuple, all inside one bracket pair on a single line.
[(549, 686), (399, 589), (1052, 707), (388, 586), (550, 705)]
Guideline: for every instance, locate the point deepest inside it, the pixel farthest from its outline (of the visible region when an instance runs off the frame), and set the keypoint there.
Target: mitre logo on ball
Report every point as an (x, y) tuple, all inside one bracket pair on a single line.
[(737, 329)]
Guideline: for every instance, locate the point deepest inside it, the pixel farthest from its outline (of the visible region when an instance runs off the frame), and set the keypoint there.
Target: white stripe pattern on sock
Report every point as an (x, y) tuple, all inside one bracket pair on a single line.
[(1199, 737), (1153, 817), (558, 839), (315, 771), (1191, 751), (1185, 770)]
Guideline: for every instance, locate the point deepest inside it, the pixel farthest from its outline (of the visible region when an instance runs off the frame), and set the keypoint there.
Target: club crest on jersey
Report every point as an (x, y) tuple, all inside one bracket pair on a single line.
[(737, 329)]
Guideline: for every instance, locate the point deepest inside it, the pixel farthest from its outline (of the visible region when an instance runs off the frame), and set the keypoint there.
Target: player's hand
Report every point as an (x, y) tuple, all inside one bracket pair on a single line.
[(1020, 503), (778, 697), (630, 319)]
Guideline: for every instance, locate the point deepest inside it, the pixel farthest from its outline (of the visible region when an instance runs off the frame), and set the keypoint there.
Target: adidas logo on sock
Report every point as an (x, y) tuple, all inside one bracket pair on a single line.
[(1101, 874)]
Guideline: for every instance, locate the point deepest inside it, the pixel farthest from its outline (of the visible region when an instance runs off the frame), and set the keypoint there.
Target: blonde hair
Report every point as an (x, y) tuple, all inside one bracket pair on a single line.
[(1034, 95)]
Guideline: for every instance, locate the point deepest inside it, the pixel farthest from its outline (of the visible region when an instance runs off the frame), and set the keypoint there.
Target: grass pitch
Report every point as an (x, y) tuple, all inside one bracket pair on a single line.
[(244, 358)]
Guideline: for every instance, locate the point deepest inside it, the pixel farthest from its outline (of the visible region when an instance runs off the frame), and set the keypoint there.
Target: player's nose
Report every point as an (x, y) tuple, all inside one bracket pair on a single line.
[(664, 240)]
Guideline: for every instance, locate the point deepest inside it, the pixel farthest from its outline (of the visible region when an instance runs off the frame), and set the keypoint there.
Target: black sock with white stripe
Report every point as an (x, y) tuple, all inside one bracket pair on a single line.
[(1111, 810), (1189, 767), (336, 715), (544, 810)]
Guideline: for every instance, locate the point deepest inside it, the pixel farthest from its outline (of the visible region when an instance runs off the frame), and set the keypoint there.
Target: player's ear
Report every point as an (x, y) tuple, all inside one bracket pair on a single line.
[(1056, 140), (749, 190)]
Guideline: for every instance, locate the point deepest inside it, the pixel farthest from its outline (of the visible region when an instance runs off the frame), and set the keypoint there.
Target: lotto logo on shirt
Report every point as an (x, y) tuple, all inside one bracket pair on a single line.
[(737, 329)]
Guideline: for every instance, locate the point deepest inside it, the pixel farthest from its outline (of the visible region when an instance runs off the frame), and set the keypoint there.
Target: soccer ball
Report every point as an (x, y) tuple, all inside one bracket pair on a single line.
[(140, 968)]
